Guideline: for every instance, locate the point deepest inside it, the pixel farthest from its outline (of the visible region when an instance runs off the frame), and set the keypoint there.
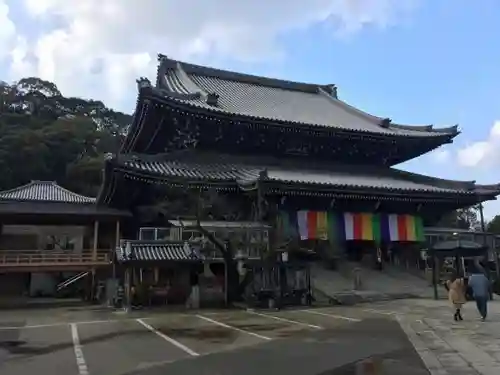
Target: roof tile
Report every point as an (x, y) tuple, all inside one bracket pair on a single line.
[(44, 191), (272, 99), (225, 168), (133, 250)]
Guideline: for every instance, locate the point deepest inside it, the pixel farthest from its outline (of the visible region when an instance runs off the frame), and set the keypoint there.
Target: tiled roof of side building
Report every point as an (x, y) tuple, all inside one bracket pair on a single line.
[(273, 99), (229, 168), (147, 251), (44, 191)]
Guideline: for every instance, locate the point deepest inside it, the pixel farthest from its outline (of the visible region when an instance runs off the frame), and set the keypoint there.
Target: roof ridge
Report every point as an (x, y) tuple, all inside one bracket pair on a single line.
[(17, 188), (187, 82), (350, 108), (463, 184), (379, 120), (54, 184), (230, 75), (72, 192), (186, 75), (208, 97)]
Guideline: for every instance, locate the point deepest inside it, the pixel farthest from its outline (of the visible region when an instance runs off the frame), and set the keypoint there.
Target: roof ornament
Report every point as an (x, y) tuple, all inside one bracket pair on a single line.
[(212, 99), (385, 123), (331, 90), (263, 174), (143, 82), (162, 57)]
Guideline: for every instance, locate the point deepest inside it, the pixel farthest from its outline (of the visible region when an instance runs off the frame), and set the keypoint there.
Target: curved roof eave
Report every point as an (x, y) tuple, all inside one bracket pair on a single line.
[(492, 189), (190, 101), (183, 70), (450, 130), (127, 164)]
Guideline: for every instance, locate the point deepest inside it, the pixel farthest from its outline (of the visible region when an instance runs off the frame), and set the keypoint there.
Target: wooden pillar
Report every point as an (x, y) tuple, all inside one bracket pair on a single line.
[(260, 202), (117, 233), (117, 243), (134, 276), (127, 287), (226, 295), (96, 240), (434, 270), (458, 269), (156, 275), (93, 285), (94, 258)]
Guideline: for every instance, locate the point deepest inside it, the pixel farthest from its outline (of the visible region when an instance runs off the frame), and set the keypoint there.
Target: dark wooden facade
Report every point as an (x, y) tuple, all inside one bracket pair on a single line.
[(46, 228), (276, 143)]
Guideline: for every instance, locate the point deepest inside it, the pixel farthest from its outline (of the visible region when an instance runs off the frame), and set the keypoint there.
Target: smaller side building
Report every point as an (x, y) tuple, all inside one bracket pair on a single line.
[(50, 235)]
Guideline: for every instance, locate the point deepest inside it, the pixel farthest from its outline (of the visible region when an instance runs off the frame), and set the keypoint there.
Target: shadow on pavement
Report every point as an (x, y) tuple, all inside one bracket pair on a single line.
[(329, 352)]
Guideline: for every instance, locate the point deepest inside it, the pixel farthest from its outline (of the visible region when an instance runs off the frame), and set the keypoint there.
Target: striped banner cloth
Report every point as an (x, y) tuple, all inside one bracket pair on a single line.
[(321, 225)]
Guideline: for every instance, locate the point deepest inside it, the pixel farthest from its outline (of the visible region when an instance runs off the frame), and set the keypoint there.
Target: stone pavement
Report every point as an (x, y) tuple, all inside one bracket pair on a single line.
[(100, 342), (448, 347), (392, 283)]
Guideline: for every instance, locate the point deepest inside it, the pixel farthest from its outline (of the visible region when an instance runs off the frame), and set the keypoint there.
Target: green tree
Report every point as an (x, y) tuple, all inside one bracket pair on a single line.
[(54, 137), (466, 218), (494, 225)]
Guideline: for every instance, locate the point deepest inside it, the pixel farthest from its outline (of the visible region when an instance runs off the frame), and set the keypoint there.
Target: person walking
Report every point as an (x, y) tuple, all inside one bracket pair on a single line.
[(480, 286), (456, 294)]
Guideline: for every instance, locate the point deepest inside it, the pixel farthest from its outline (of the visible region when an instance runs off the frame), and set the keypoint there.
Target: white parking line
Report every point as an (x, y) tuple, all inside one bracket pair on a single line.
[(381, 312), (10, 328), (168, 339), (233, 328), (80, 359), (329, 315), (285, 320)]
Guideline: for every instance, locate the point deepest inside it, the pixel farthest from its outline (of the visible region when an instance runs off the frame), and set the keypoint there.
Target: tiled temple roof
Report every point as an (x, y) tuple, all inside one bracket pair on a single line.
[(202, 167), (272, 99), (44, 191), (148, 251)]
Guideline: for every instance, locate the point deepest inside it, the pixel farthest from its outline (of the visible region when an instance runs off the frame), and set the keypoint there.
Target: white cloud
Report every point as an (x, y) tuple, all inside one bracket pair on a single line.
[(441, 156), (7, 30), (483, 153), (96, 48)]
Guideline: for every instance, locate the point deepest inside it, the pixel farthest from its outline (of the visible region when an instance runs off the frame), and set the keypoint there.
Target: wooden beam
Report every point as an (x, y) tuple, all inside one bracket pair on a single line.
[(117, 234), (117, 243), (96, 239)]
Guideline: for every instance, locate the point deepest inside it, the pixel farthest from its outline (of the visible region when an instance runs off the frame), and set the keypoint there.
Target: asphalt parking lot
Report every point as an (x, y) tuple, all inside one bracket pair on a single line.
[(107, 343), (122, 344)]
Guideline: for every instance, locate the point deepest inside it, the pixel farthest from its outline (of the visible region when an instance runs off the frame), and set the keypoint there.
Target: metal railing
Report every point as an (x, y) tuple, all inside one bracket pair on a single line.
[(36, 257), (72, 280)]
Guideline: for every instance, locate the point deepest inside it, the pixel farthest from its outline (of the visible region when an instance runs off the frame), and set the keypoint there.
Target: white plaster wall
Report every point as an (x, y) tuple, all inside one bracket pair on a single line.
[(44, 283), (76, 233)]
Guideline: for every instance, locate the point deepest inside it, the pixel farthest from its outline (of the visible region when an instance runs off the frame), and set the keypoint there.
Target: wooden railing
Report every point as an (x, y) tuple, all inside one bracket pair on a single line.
[(43, 257)]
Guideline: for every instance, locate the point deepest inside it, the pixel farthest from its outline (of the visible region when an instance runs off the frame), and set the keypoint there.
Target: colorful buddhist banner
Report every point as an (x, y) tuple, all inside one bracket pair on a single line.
[(322, 225), (362, 227), (286, 224), (404, 228), (315, 225)]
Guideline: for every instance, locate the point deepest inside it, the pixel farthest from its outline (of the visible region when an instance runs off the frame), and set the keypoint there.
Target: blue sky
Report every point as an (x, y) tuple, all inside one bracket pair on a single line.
[(438, 63)]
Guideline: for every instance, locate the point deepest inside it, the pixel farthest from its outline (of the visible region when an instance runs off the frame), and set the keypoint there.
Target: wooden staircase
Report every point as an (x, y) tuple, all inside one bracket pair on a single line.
[(47, 261)]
